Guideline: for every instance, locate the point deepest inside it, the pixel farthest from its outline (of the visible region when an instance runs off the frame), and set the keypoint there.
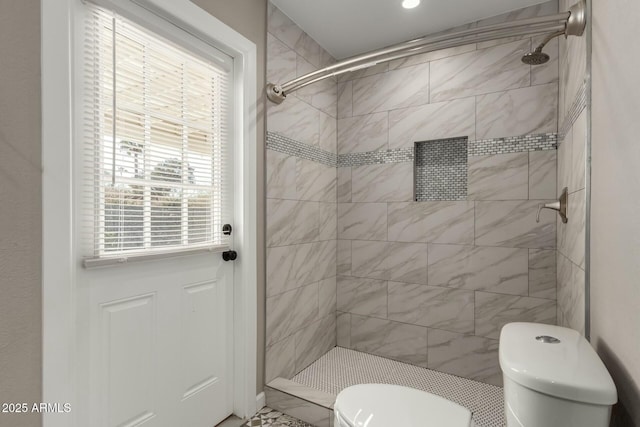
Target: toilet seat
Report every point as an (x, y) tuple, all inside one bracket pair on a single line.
[(385, 405)]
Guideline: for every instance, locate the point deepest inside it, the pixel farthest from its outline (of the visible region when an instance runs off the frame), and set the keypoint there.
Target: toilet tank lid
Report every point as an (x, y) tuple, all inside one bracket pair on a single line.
[(568, 368)]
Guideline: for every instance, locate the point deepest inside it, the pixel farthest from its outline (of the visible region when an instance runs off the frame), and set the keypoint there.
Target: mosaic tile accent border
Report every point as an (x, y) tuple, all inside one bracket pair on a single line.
[(341, 368), (579, 103), (513, 144), (285, 145), (441, 170), (399, 155)]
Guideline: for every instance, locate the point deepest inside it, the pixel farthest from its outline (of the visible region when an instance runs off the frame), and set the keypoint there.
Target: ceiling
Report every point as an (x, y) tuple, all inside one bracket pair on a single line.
[(349, 27)]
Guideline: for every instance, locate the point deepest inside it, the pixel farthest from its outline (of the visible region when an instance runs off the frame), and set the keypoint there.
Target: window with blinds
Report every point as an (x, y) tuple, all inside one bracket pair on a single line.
[(156, 147)]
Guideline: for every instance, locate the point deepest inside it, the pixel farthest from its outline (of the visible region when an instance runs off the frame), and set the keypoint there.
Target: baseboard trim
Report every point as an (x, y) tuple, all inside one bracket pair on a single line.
[(260, 401)]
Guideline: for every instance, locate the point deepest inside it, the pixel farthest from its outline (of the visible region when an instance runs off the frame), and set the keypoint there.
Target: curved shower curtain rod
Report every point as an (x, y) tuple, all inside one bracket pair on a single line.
[(571, 23)]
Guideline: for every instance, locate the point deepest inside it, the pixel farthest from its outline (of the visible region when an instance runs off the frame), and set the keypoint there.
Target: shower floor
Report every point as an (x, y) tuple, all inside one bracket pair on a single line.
[(341, 368)]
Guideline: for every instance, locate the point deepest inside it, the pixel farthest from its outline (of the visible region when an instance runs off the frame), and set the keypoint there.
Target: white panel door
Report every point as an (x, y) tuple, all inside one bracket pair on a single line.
[(159, 342)]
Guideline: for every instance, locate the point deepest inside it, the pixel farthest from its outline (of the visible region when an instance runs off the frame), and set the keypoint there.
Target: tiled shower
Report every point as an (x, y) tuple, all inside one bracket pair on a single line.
[(402, 199)]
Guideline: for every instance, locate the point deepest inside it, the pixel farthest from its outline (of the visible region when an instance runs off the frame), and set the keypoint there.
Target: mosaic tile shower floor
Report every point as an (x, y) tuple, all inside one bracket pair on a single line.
[(340, 368), (267, 417)]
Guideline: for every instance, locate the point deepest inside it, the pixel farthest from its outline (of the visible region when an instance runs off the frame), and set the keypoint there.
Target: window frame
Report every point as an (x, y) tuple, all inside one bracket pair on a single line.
[(96, 255)]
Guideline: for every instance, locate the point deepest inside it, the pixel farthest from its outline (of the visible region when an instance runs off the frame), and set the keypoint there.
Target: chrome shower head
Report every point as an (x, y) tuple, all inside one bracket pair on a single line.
[(537, 57)]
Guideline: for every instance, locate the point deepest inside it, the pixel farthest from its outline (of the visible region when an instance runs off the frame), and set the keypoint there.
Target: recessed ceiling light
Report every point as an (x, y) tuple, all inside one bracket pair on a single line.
[(410, 4)]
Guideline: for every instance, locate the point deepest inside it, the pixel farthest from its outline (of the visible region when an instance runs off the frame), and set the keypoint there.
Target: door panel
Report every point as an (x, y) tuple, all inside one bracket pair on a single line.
[(160, 335), (128, 332), (199, 320)]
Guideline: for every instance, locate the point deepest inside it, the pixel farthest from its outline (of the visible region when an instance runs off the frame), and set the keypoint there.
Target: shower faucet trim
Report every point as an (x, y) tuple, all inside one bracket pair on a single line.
[(559, 206)]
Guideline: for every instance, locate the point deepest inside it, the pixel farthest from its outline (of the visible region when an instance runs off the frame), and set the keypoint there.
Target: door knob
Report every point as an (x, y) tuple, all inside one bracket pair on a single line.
[(229, 255)]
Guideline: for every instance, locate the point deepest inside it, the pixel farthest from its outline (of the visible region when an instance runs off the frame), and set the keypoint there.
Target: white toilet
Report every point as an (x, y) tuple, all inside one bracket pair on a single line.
[(553, 378), (383, 405)]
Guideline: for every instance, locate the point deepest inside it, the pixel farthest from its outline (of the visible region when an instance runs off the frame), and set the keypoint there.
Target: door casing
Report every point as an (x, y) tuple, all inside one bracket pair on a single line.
[(60, 258)]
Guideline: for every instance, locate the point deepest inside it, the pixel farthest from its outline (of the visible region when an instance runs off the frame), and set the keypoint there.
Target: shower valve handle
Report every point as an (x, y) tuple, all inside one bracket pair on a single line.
[(560, 206)]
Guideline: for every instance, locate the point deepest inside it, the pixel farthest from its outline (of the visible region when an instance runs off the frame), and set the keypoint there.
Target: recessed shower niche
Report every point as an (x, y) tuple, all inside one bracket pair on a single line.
[(440, 169)]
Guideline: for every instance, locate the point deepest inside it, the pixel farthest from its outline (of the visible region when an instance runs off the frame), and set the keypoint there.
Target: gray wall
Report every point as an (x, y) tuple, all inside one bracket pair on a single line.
[(615, 206), (20, 208)]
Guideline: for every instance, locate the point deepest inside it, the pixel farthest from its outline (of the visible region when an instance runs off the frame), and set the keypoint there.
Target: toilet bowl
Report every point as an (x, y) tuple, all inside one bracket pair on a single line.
[(553, 378), (384, 405)]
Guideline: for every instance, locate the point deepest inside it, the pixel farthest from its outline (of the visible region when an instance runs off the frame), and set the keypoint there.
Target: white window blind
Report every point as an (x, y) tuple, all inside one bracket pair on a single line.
[(157, 144)]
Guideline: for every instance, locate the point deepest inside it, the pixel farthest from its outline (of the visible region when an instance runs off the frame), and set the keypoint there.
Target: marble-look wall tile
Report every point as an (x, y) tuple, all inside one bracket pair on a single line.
[(543, 9), (344, 258), (363, 133), (344, 185), (327, 296), (291, 222), (314, 341), (542, 273), (345, 100), (364, 72), (431, 56), (327, 221), (281, 175), (407, 262), (294, 119), (571, 294), (578, 153), (281, 63), (343, 330), (322, 95), (328, 133), (367, 297), (517, 112), (289, 267), (315, 181), (493, 311), (325, 259), (574, 245), (564, 161), (399, 341), (545, 73), (280, 359), (501, 270), (573, 67), (467, 356), (498, 177), (478, 72), (389, 91), (279, 25), (366, 221), (434, 121), (283, 28), (391, 182), (437, 222), (542, 174), (513, 224), (368, 259), (435, 307), (291, 311)]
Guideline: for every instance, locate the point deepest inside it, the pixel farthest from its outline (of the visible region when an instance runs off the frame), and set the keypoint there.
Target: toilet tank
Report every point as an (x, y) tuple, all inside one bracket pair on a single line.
[(553, 378)]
